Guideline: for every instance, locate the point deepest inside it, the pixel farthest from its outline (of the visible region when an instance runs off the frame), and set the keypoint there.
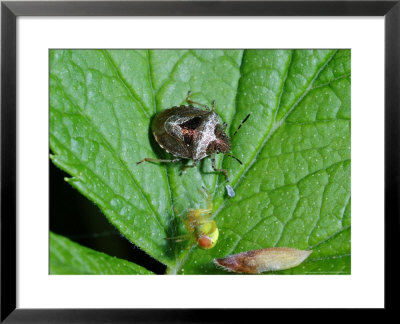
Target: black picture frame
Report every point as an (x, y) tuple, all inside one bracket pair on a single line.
[(11, 10)]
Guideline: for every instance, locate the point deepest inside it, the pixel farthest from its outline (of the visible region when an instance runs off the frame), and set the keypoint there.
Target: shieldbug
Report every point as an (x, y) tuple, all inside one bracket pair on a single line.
[(202, 230), (188, 132)]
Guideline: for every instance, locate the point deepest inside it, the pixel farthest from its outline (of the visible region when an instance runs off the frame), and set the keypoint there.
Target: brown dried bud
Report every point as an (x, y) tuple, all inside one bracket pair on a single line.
[(257, 261)]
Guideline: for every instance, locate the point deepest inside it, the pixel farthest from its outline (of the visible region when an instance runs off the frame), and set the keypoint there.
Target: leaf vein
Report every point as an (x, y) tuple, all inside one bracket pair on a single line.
[(155, 109), (331, 81), (217, 183), (320, 211), (276, 126), (329, 237), (99, 198), (107, 144), (131, 92), (283, 86)]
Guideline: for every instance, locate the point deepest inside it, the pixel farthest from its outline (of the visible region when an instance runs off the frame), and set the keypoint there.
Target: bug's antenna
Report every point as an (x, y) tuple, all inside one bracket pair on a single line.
[(234, 158), (243, 121)]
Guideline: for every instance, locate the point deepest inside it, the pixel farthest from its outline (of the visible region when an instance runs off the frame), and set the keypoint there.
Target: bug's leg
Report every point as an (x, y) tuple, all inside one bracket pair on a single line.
[(218, 170), (193, 242), (189, 166), (177, 213), (184, 221), (240, 125), (207, 196), (213, 105), (205, 220), (190, 101), (201, 214), (179, 238), (158, 160), (180, 216)]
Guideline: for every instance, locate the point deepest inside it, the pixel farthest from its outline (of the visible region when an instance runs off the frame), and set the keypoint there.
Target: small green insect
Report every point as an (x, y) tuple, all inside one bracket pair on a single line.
[(202, 230)]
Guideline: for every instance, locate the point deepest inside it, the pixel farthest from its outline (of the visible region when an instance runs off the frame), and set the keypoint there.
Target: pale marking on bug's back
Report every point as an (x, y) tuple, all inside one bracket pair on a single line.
[(206, 136)]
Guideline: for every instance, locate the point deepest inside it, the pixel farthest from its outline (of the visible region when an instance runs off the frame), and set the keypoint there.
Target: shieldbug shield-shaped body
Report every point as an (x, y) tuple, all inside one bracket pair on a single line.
[(188, 132)]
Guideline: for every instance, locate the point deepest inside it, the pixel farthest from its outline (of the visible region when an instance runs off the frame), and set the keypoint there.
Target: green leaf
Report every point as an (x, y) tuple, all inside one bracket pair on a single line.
[(68, 257), (293, 188)]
